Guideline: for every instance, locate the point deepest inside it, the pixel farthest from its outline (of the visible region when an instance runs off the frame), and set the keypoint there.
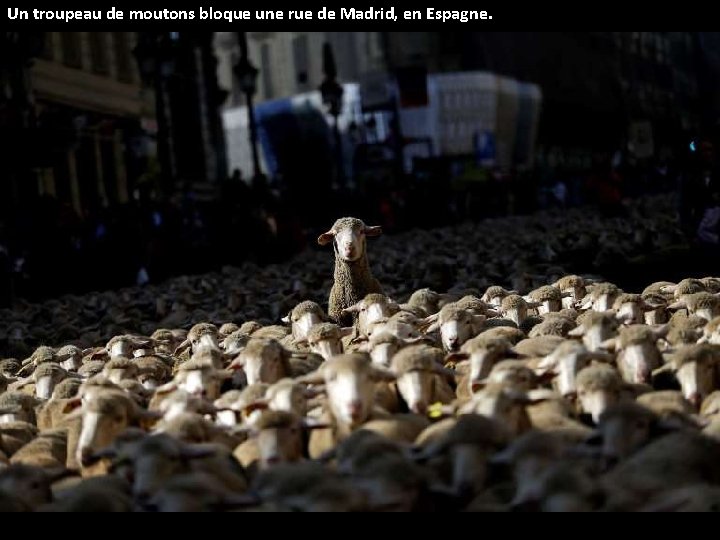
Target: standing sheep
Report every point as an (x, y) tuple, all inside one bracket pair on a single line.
[(353, 277)]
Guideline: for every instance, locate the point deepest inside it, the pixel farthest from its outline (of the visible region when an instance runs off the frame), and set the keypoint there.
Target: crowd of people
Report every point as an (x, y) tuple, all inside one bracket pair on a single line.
[(48, 250)]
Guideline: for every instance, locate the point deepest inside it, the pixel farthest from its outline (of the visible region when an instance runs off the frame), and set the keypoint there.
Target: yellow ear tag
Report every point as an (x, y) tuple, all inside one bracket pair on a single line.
[(435, 410)]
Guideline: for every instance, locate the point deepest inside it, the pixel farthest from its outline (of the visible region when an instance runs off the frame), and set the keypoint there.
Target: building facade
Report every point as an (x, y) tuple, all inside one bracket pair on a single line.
[(90, 109)]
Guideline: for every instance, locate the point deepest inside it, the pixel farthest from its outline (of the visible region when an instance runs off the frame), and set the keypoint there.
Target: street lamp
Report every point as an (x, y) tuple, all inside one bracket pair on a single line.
[(247, 75), (332, 96)]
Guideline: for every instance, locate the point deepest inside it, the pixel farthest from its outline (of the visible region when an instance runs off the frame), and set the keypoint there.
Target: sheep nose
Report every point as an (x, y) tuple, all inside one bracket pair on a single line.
[(452, 343), (86, 457), (571, 395), (273, 460)]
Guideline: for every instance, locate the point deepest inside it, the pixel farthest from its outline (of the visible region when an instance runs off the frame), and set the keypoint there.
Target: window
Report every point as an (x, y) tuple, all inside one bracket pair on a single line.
[(301, 61), (71, 49), (266, 70), (98, 52), (123, 61)]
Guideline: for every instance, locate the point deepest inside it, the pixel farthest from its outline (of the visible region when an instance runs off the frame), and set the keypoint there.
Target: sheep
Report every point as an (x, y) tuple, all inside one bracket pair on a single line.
[(152, 372), (631, 308), (15, 435), (69, 357), (703, 305), (266, 360), (601, 298), (599, 386), (30, 485), (197, 492), (573, 289), (626, 427), (417, 369), (483, 353), (501, 403), (684, 330), (350, 383), (9, 367), (711, 332), (104, 416), (694, 498), (154, 459), (515, 308), (513, 374), (656, 308), (48, 450), (595, 328), (548, 298), (190, 427), (539, 346), (97, 494), (565, 362), (638, 355), (303, 317), (561, 487), (164, 340), (125, 345), (201, 336), (17, 407), (553, 326), (353, 279), (234, 343), (248, 403), (671, 407), (325, 339), (511, 334), (684, 288), (678, 459), (456, 326), (468, 445), (289, 396), (382, 346), (372, 308), (277, 438), (91, 368), (403, 325), (494, 295), (199, 378), (119, 368), (695, 370), (426, 300)]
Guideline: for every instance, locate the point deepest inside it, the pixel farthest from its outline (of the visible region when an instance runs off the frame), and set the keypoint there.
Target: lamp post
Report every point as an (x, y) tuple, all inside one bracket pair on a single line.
[(155, 55), (332, 94), (247, 75)]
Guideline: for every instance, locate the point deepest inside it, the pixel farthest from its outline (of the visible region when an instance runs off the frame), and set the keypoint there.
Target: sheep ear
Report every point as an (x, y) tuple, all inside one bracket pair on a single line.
[(286, 319), (491, 313), (476, 386), (378, 374), (609, 344), (680, 304), (375, 230), (72, 405), (354, 308), (432, 328), (704, 339), (625, 318), (325, 238), (667, 368)]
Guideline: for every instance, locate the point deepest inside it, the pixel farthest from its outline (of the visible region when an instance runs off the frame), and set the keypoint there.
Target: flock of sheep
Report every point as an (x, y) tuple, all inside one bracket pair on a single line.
[(521, 387)]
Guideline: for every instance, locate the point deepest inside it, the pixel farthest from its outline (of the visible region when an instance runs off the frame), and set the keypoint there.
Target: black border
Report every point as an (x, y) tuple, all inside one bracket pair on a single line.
[(506, 16)]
